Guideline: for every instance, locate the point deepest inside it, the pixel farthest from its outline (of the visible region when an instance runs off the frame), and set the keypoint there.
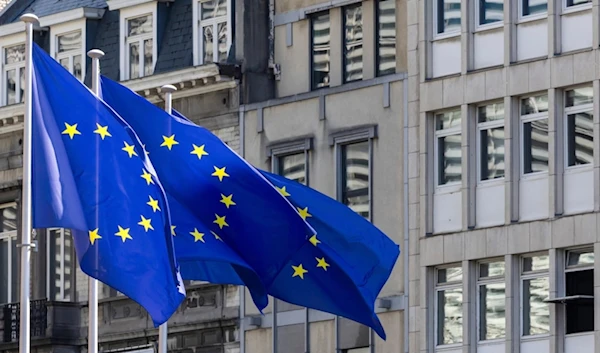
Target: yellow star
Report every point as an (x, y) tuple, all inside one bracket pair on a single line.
[(123, 233), (146, 223), (227, 200), (199, 151), (71, 130), (129, 149), (216, 236), (321, 263), (299, 271), (94, 235), (173, 230), (154, 204), (220, 173), (283, 191), (220, 221), (147, 176), (313, 240), (197, 235), (169, 141), (304, 212), (102, 131)]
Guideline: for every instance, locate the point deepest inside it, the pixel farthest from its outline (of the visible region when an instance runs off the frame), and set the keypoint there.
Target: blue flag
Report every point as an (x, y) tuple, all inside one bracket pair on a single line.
[(229, 196), (90, 176)]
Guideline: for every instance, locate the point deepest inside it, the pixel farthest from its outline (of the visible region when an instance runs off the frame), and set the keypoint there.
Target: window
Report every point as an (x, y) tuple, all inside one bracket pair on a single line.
[(60, 265), (13, 74), (139, 51), (448, 305), (447, 18), (9, 269), (321, 47), (580, 126), (490, 127), (490, 11), (492, 305), (293, 166), (353, 43), (533, 7), (355, 177), (214, 21), (448, 147), (573, 3), (535, 288), (386, 37), (534, 129), (579, 285), (68, 52)]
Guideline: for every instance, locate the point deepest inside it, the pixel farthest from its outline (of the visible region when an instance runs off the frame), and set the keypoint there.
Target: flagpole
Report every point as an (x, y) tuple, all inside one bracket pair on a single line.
[(26, 225), (95, 54), (163, 329)]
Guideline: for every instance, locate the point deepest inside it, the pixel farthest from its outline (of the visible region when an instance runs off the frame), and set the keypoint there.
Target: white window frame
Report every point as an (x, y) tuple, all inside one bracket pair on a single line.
[(527, 118), (487, 126), (50, 266), (527, 18), (486, 281), (67, 28), (487, 26), (575, 8), (12, 237), (8, 42), (441, 287), (582, 108), (456, 130), (443, 35), (522, 278), (128, 14), (197, 39)]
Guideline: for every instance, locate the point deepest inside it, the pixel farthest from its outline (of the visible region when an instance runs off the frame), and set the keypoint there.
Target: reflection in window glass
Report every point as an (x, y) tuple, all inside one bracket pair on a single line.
[(580, 126), (449, 304), (386, 37), (491, 11), (321, 46), (214, 31), (14, 74), (353, 43), (535, 289), (448, 16), (492, 305), (491, 141), (293, 167), (140, 46), (9, 274), (60, 264), (355, 177), (449, 147), (534, 117), (534, 7)]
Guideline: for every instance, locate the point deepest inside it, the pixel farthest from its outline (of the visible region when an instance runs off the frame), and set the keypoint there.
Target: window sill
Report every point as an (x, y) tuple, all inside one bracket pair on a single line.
[(579, 169), (494, 342), (540, 337), (489, 27), (447, 188), (532, 18), (448, 347), (576, 9), (534, 176), (490, 183)]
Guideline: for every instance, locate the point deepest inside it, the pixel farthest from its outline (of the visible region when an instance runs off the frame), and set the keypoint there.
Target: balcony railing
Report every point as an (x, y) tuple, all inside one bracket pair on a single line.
[(12, 319)]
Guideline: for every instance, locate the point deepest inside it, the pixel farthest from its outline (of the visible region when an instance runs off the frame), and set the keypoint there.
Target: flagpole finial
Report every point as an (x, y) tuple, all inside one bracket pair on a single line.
[(95, 53), (29, 18), (168, 88)]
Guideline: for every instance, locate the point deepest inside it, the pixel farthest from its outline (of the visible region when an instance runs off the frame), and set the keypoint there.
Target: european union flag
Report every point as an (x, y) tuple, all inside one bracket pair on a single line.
[(231, 198), (89, 175)]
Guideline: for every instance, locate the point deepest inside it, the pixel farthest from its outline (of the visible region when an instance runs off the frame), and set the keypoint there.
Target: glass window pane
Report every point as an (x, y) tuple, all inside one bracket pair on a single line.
[(491, 112), (148, 65), (536, 314), (449, 159), (223, 47), (69, 41), (492, 311), (536, 263), (134, 60), (321, 42), (492, 153), (293, 167), (11, 87), (14, 54), (449, 320), (491, 269), (139, 25), (579, 96), (534, 7), (580, 135), (533, 105), (64, 62), (490, 11), (355, 177), (4, 275), (9, 219), (535, 146), (207, 43), (213, 8), (386, 37), (353, 42), (448, 16), (577, 2), (450, 274), (77, 71), (448, 120), (580, 257)]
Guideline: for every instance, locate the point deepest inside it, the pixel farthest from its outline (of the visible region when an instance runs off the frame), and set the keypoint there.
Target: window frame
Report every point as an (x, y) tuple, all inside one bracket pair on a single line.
[(527, 118), (199, 24), (311, 46), (443, 35), (485, 281), (488, 125), (486, 26), (437, 134), (345, 45), (527, 18), (527, 276), (582, 108), (438, 288), (72, 276), (8, 42), (377, 21), (288, 148), (566, 9), (129, 14), (68, 28), (12, 236)]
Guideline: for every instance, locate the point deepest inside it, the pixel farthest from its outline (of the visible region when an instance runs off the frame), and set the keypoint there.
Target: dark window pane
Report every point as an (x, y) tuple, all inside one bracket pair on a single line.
[(535, 146), (449, 316), (449, 159), (353, 43), (580, 313), (355, 177), (4, 274), (321, 47), (580, 138), (448, 16), (492, 153), (293, 167), (490, 11)]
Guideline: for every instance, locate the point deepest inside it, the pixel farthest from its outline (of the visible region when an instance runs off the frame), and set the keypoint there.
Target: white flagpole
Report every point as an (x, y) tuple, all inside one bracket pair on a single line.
[(162, 329), (26, 226), (95, 54)]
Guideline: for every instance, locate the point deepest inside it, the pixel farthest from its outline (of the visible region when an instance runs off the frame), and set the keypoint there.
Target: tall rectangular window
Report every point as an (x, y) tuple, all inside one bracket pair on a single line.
[(9, 270), (492, 305), (579, 288), (139, 46), (293, 167), (447, 16), (13, 74), (60, 264), (448, 305), (579, 105), (448, 147), (535, 287), (533, 7), (355, 159), (214, 30), (534, 130), (320, 50), (353, 43), (68, 52), (490, 127), (386, 37), (490, 11)]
